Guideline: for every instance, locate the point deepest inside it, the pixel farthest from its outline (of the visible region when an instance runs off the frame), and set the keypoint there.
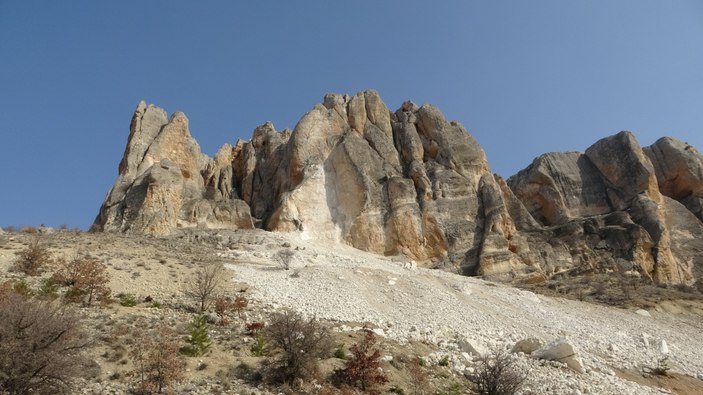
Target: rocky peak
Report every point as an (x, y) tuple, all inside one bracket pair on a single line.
[(411, 182)]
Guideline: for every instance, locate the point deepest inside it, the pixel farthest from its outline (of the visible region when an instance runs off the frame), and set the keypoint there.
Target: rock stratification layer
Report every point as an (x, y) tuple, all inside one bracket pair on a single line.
[(410, 182)]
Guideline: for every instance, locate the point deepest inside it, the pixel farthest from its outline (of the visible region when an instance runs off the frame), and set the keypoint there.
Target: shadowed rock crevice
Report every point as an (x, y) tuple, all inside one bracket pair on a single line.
[(410, 182)]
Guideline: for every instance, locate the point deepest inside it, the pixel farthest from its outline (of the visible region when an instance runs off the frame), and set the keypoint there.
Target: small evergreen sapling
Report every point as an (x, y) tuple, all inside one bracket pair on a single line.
[(199, 341)]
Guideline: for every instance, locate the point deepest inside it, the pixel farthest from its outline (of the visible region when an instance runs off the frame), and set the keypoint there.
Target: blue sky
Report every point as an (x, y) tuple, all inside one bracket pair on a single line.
[(524, 77)]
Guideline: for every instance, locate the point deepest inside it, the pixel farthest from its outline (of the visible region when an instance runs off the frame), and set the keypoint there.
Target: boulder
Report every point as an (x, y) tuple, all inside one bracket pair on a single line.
[(561, 350), (469, 346), (527, 346), (679, 170)]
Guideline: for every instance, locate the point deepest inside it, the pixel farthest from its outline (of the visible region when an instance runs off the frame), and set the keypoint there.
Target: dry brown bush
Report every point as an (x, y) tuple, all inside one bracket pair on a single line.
[(32, 259), (419, 379), (41, 346), (158, 364), (223, 305), (205, 285), (301, 343), (496, 374), (86, 278), (240, 304)]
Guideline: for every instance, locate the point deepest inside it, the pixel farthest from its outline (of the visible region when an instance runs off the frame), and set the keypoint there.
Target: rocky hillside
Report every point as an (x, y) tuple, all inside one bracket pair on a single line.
[(410, 182)]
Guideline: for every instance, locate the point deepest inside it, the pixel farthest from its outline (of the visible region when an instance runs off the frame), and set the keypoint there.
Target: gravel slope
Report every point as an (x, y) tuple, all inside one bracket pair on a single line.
[(404, 302)]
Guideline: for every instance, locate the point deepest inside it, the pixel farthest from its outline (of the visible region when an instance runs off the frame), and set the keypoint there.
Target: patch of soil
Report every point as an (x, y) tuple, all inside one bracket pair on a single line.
[(678, 384)]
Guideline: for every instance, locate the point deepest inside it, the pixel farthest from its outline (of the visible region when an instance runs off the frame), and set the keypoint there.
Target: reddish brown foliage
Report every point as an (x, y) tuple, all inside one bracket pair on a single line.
[(32, 259), (87, 279), (362, 368), (253, 328)]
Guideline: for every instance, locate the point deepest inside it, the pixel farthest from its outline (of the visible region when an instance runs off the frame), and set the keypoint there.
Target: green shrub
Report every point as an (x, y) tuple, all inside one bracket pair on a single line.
[(49, 289), (339, 351), (22, 287), (260, 347), (127, 300), (444, 361), (199, 341)]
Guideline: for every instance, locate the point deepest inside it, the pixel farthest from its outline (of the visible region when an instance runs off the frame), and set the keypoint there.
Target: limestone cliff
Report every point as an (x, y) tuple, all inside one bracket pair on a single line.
[(410, 182)]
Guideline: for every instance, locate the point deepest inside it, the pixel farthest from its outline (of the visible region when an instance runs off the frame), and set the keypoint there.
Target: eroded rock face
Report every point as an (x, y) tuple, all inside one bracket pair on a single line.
[(410, 182), (679, 170), (613, 198), (165, 182)]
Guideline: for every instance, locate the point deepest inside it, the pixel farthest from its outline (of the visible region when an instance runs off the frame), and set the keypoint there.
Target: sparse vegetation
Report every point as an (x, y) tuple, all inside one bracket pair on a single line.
[(33, 259), (284, 258), (419, 379), (41, 347), (127, 300), (260, 347), (199, 341), (496, 375), (206, 284), (49, 289), (157, 363), (339, 351), (300, 342), (253, 328), (223, 305), (22, 287), (362, 368), (240, 305), (661, 368), (86, 278)]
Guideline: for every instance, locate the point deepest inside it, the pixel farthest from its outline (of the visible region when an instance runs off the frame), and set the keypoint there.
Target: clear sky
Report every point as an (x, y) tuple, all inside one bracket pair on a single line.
[(524, 77)]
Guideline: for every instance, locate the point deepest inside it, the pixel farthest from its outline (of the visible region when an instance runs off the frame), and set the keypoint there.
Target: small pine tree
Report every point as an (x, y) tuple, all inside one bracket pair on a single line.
[(199, 341)]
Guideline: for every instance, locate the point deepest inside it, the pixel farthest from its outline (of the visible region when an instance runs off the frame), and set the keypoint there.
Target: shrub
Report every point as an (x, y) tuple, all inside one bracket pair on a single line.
[(222, 306), (240, 305), (496, 374), (157, 362), (32, 259), (41, 347), (199, 341), (444, 361), (253, 328), (362, 368), (127, 300), (22, 287), (301, 343), (49, 289), (662, 368), (339, 351), (260, 347), (284, 258), (86, 278), (419, 379), (205, 284)]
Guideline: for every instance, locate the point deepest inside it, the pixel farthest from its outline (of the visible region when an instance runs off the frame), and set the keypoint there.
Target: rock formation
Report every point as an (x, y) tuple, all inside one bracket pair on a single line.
[(410, 182)]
